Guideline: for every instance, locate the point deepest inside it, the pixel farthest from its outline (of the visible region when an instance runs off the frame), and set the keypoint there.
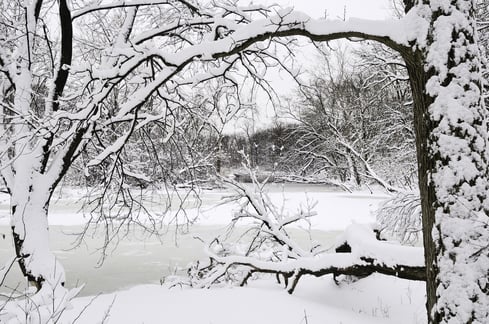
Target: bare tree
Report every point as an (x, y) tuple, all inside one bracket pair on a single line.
[(355, 121)]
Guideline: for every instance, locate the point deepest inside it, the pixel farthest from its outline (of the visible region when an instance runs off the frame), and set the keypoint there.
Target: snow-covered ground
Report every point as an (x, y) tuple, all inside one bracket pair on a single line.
[(141, 265), (376, 299)]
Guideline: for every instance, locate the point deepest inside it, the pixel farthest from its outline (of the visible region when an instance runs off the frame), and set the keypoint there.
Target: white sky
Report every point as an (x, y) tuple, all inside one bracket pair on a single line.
[(368, 9)]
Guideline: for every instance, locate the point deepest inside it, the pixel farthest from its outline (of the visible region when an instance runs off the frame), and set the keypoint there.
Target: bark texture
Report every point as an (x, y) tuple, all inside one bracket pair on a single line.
[(31, 237), (422, 127), (451, 131)]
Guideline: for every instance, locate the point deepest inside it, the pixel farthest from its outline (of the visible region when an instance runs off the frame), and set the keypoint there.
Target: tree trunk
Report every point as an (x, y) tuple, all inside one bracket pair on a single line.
[(423, 127), (354, 177), (31, 237), (451, 140)]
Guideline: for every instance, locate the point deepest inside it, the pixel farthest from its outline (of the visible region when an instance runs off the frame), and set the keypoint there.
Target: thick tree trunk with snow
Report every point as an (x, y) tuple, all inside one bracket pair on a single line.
[(30, 202), (451, 131)]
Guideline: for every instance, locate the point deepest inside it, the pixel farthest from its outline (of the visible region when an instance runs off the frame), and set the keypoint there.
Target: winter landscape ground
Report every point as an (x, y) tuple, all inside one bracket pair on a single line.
[(126, 287)]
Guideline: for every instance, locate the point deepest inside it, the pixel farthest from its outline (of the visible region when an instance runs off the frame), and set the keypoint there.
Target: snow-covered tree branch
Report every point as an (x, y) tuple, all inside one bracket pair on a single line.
[(266, 246)]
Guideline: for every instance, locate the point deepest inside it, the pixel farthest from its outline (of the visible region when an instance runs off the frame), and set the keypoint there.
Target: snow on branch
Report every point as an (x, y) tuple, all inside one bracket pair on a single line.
[(399, 218), (266, 246), (245, 37), (114, 147), (370, 171), (393, 33)]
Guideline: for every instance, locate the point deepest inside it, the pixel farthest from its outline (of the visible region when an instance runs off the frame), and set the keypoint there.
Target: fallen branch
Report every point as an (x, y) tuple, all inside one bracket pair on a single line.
[(266, 247), (361, 254)]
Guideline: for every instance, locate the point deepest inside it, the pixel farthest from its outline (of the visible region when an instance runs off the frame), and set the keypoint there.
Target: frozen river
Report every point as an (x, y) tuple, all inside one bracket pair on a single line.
[(139, 259)]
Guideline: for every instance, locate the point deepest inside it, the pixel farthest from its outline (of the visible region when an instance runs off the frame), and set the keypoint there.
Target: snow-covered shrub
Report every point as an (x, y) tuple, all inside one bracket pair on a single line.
[(400, 218), (38, 307)]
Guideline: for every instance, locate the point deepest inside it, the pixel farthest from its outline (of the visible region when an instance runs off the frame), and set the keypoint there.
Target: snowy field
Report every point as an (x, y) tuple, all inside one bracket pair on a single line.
[(126, 287)]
